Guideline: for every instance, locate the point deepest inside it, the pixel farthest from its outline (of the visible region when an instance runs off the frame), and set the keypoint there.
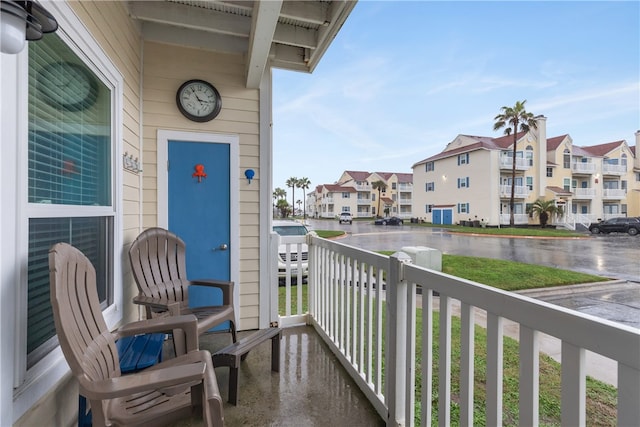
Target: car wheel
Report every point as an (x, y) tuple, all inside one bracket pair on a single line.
[(632, 231), (595, 230), (401, 222), (384, 222)]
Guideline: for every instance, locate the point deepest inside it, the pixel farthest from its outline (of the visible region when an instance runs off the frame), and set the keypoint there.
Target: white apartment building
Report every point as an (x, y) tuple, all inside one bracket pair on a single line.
[(471, 179), (354, 192)]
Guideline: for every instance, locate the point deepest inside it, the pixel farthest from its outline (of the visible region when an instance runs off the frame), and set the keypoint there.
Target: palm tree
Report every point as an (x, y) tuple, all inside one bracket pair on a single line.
[(381, 187), (545, 209), (283, 207), (292, 183), (278, 194), (510, 118), (304, 183)]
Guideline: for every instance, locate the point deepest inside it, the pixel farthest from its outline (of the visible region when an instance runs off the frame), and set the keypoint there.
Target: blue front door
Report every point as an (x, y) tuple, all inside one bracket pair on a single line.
[(447, 216), (199, 211), (437, 216)]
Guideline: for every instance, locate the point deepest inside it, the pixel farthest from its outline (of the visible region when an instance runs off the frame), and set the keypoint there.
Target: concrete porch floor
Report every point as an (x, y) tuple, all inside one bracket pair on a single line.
[(311, 389)]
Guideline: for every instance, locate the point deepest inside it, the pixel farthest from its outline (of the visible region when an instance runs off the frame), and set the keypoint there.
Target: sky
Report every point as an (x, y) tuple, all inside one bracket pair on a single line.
[(403, 79)]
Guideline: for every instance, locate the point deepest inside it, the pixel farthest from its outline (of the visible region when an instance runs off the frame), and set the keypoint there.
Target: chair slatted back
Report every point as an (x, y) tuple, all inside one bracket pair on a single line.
[(84, 337), (158, 261)]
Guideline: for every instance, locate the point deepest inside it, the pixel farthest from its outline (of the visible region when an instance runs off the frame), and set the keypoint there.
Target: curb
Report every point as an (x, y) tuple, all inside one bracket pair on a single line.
[(610, 285)]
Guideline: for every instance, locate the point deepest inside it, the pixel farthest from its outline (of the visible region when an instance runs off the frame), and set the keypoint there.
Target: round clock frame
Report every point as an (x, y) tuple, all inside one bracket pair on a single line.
[(198, 100)]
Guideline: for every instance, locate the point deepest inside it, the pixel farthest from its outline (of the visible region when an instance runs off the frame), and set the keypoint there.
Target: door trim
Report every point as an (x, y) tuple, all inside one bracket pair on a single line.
[(163, 138)]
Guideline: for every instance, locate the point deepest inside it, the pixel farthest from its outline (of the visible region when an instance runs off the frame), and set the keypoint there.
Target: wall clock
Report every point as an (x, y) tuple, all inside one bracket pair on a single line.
[(198, 100), (68, 85)]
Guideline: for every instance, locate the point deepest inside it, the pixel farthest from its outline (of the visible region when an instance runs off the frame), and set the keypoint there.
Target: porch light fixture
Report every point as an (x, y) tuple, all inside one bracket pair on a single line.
[(23, 20)]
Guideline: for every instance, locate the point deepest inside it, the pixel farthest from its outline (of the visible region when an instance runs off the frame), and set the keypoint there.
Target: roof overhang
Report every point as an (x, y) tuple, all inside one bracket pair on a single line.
[(291, 35)]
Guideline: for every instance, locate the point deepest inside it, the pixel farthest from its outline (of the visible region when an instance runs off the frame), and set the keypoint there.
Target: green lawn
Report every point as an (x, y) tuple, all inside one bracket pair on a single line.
[(508, 231)]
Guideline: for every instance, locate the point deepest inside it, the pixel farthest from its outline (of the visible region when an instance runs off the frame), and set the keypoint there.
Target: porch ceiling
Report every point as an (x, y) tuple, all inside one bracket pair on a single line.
[(291, 35)]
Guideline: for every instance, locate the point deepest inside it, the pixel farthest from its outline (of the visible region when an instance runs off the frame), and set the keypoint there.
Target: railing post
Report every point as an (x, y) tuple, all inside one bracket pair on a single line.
[(397, 336)]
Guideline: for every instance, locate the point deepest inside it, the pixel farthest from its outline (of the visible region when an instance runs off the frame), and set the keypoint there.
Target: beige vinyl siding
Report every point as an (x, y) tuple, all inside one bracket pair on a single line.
[(166, 67)]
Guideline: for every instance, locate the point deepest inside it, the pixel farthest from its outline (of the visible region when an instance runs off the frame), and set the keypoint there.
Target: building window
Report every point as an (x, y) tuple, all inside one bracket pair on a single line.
[(623, 208), (431, 186), (638, 176), (393, 185), (623, 161), (429, 167), (346, 209), (623, 184), (574, 183), (566, 184), (429, 208), (463, 182), (530, 183), (529, 155), (529, 209), (70, 179), (463, 208), (566, 159), (463, 159), (345, 195), (549, 172)]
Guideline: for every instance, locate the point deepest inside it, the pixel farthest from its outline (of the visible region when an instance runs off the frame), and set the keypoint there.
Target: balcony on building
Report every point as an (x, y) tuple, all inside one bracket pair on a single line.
[(613, 169), (520, 191), (583, 193), (522, 164), (583, 168)]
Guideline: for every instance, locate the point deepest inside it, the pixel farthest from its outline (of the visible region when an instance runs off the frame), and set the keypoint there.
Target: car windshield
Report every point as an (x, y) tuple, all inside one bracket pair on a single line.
[(290, 230)]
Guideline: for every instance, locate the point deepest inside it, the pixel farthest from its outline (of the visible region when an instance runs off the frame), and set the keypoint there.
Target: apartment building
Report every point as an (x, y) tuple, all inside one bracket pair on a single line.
[(355, 192), (471, 179)]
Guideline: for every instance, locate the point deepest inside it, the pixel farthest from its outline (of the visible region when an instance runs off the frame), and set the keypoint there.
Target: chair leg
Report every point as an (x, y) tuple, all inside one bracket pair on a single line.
[(232, 326)]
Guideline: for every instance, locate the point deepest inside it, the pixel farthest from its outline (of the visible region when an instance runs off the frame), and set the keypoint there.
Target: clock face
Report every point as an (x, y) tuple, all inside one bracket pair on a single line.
[(68, 85), (198, 100)]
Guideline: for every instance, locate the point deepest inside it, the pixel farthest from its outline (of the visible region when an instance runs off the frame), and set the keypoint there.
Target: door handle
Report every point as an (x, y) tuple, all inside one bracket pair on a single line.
[(222, 247)]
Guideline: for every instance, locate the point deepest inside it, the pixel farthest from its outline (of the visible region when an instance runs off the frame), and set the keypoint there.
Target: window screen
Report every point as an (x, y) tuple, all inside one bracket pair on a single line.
[(69, 164)]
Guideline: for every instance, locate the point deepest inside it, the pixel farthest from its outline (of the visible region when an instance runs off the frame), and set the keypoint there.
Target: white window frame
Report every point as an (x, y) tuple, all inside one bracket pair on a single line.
[(31, 385), (429, 167), (430, 186)]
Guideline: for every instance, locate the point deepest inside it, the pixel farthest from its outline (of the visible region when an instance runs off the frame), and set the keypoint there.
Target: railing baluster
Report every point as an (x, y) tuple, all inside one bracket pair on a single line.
[(444, 362), (370, 326), (573, 398), (495, 357), (628, 395), (378, 320), (427, 356), (529, 375), (466, 364)]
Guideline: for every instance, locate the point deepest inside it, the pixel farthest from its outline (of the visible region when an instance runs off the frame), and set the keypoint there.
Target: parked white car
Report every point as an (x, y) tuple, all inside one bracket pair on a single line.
[(345, 217), (286, 228)]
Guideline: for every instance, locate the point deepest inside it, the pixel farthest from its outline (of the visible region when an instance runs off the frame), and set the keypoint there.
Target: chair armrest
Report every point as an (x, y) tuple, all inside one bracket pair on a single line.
[(225, 286), (163, 304), (187, 323), (143, 381)]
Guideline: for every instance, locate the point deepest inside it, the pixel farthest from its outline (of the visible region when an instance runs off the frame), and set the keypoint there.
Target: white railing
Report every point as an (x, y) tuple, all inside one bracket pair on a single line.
[(614, 193), (364, 201), (584, 192), (352, 308), (585, 219), (520, 191), (616, 169), (405, 200), (518, 219), (580, 167), (405, 187), (363, 187), (507, 162)]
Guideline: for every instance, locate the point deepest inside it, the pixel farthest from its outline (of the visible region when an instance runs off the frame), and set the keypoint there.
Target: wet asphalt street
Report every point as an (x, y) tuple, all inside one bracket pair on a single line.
[(614, 256)]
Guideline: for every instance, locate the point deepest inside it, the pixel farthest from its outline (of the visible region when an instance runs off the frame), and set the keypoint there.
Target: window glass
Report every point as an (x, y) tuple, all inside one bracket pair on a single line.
[(69, 164)]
